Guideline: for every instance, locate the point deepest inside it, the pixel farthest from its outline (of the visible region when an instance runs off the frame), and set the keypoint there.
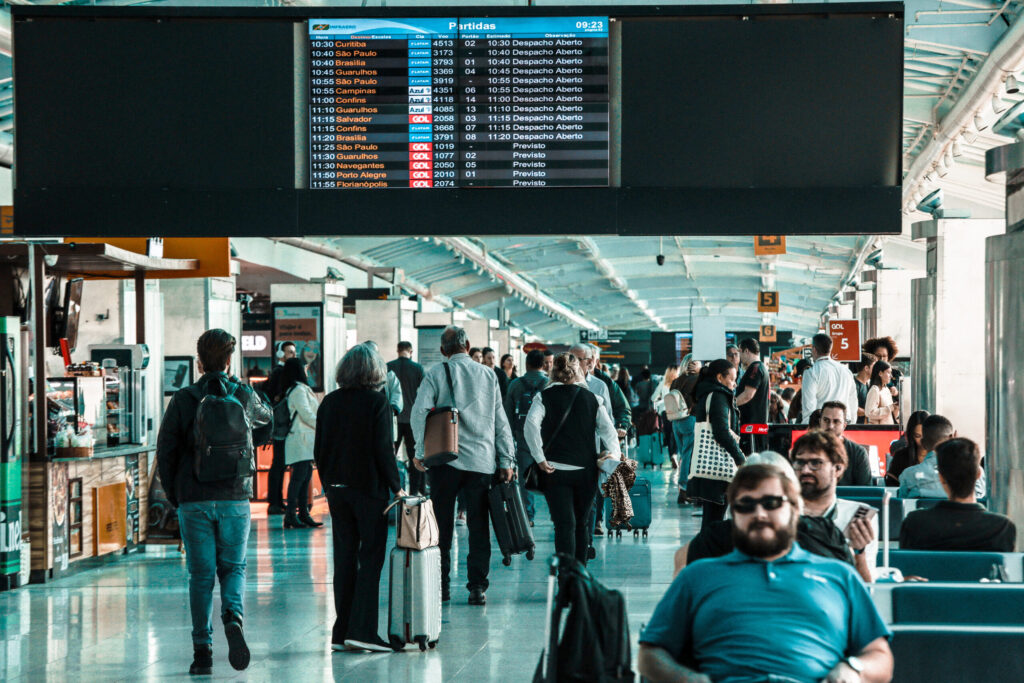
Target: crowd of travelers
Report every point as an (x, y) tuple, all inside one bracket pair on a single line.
[(773, 583)]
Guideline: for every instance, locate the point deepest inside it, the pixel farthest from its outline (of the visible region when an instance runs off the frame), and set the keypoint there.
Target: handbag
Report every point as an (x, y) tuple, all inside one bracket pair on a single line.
[(416, 528), (531, 478), (709, 460), (441, 435)]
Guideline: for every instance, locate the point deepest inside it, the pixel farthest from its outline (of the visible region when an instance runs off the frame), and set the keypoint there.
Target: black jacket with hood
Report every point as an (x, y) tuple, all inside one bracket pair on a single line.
[(175, 444), (723, 417)]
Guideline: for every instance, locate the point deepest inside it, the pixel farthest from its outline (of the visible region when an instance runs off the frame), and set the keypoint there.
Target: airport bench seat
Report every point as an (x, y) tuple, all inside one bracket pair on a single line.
[(955, 566), (957, 654), (980, 604)]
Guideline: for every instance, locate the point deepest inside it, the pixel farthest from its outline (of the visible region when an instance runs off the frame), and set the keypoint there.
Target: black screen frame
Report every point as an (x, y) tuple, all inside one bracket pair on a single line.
[(288, 211)]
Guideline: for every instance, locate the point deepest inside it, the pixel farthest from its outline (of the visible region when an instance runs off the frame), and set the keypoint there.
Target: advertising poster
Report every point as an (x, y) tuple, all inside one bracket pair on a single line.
[(131, 475), (59, 514), (10, 516), (302, 324)]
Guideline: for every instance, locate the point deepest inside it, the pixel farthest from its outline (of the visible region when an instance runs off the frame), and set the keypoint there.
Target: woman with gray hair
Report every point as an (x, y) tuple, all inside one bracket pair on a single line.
[(356, 459)]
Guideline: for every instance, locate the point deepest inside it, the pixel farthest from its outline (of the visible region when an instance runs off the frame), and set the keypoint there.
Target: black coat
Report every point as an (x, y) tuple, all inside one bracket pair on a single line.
[(354, 444), (723, 417), (175, 443)]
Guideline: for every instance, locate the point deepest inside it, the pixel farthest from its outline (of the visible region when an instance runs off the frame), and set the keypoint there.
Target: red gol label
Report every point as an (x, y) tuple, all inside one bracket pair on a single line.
[(421, 183), (421, 146), (421, 118), (420, 156), (760, 430), (421, 165), (421, 175)]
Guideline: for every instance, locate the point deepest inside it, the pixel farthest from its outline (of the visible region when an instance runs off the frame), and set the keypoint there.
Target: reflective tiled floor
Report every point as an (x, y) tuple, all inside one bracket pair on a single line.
[(129, 621)]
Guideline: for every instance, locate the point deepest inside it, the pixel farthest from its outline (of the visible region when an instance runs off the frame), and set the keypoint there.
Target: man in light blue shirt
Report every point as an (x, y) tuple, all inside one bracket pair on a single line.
[(768, 611), (922, 480), (485, 443)]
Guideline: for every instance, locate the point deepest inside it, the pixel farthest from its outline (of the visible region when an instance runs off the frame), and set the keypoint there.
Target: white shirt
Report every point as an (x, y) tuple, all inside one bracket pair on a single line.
[(826, 381), (658, 397), (605, 428), (878, 406)]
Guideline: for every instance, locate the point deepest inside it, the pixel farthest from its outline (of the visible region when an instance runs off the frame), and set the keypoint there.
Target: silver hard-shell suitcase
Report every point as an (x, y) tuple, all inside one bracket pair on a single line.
[(414, 601)]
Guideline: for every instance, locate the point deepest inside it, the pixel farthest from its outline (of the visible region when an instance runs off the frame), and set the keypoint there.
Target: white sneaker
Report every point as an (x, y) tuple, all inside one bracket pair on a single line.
[(372, 647)]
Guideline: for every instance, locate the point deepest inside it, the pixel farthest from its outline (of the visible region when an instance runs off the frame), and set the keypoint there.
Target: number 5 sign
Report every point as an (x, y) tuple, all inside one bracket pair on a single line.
[(845, 340)]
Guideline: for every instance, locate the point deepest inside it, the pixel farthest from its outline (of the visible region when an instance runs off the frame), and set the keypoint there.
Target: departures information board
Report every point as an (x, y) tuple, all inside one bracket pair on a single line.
[(458, 102)]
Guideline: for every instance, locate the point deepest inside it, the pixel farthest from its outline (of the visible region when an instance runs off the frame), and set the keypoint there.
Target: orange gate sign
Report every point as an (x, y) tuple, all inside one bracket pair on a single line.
[(769, 245), (845, 340), (768, 302)]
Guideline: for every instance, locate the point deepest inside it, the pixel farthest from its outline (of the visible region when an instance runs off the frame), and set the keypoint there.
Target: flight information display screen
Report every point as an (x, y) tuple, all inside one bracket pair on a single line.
[(459, 102)]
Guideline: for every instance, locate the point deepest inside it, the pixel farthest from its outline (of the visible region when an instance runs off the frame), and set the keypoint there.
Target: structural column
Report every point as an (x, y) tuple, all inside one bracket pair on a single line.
[(948, 335)]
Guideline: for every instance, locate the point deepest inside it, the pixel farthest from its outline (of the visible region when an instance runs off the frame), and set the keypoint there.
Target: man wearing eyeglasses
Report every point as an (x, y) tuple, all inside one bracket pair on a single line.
[(768, 611), (819, 460)]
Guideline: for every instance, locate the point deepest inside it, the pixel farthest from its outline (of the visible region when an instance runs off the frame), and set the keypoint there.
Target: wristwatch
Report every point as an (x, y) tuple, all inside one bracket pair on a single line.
[(855, 663)]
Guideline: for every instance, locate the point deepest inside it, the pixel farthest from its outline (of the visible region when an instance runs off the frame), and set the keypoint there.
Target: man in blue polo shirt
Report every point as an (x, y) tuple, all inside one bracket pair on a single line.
[(768, 611)]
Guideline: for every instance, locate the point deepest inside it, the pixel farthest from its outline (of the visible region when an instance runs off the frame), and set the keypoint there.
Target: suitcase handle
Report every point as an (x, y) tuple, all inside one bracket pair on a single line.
[(411, 501)]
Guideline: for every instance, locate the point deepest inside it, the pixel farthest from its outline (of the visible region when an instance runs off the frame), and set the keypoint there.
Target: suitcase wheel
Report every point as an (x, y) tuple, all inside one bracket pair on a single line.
[(645, 533), (422, 642), (506, 560), (396, 642), (529, 554), (432, 644), (618, 533), (636, 532)]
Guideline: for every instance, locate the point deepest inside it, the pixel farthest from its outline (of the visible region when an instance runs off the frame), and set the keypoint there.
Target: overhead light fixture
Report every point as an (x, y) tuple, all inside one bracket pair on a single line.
[(1012, 87), (929, 177), (969, 136), (948, 159), (957, 150), (979, 122), (998, 106), (942, 169)]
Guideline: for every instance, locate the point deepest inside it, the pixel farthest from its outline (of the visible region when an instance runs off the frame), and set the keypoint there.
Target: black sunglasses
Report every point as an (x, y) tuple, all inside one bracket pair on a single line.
[(746, 505)]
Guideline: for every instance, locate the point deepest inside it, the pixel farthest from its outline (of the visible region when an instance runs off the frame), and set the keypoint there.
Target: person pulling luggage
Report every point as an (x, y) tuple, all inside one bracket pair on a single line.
[(483, 433), (563, 428)]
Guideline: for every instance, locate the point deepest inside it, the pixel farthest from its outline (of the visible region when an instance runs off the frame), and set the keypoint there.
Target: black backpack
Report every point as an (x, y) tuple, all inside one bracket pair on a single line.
[(223, 434), (594, 644), (526, 400), (283, 418)]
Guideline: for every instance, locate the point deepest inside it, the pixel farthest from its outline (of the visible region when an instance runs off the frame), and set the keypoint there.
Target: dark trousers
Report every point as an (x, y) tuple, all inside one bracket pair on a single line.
[(417, 479), (275, 478), (713, 512), (596, 509), (446, 483), (570, 497), (298, 487), (360, 533)]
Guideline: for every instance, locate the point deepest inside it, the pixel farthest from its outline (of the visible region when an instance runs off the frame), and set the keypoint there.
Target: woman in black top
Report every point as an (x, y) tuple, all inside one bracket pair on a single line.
[(356, 459), (563, 426), (909, 451), (717, 381)]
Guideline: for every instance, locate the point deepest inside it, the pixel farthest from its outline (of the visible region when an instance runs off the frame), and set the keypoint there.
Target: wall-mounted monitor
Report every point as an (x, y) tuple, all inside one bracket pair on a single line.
[(747, 119)]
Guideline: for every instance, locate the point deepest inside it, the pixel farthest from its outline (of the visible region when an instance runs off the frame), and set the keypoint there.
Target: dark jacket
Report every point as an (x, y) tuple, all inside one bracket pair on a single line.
[(503, 381), (409, 374), (858, 467), (353, 444), (175, 443), (621, 411), (723, 418)]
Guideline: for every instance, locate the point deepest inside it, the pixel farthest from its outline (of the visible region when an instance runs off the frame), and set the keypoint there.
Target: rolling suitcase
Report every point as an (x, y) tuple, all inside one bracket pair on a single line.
[(649, 451), (508, 517), (640, 496), (414, 597)]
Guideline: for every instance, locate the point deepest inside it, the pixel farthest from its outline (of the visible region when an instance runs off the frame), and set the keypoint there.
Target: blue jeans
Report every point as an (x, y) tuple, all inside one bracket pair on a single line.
[(682, 430), (215, 534)]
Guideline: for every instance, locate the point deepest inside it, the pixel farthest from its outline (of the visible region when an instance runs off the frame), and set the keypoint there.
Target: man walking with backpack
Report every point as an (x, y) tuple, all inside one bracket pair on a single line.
[(206, 460), (517, 404)]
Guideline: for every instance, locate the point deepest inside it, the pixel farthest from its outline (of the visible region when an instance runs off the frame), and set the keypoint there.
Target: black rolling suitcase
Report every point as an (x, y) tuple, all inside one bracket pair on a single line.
[(508, 517)]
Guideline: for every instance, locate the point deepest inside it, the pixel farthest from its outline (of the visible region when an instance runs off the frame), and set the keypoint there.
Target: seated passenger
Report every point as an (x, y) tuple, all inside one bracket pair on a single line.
[(858, 470), (816, 535), (960, 523), (819, 461), (769, 610), (908, 451), (922, 481)]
